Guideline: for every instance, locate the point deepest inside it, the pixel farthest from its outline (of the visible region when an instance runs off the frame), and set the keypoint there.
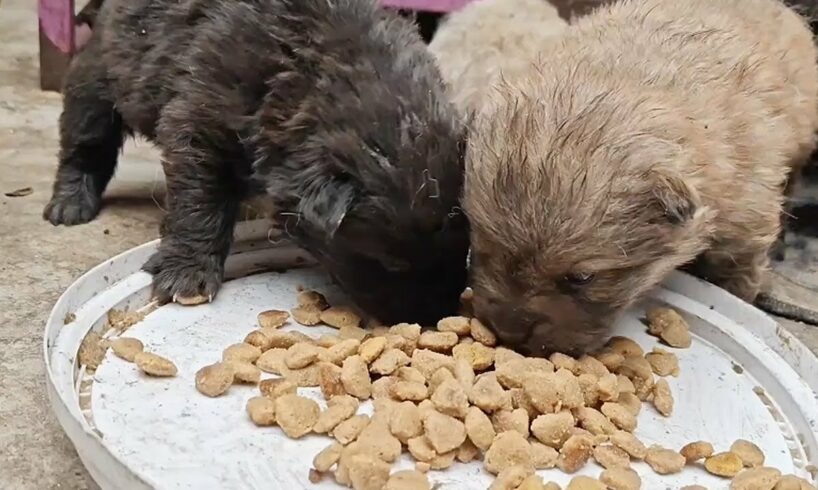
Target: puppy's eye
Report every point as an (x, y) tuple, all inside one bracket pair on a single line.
[(579, 278), (395, 265)]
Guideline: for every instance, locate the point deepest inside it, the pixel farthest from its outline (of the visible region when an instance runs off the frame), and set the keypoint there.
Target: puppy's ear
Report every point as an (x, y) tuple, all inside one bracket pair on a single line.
[(325, 204), (677, 200)]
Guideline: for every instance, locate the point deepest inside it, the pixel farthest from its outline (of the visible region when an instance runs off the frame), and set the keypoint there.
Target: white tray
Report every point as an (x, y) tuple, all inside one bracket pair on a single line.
[(744, 377)]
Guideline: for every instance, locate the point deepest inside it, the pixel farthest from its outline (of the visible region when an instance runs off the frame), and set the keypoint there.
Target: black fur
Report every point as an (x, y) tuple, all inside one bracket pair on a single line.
[(333, 108)]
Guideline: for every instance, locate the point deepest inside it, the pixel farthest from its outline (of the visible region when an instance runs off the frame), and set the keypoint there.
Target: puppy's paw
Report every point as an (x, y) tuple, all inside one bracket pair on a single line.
[(72, 206), (184, 279)]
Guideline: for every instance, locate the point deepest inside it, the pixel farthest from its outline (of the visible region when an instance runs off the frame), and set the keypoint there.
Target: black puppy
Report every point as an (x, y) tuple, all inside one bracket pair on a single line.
[(331, 108)]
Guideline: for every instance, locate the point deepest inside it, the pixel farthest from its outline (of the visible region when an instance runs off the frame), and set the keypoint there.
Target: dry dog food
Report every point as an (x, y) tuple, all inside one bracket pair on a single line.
[(272, 318), (155, 365), (669, 326), (454, 395), (214, 380), (724, 464), (262, 411), (127, 348), (696, 451), (664, 461)]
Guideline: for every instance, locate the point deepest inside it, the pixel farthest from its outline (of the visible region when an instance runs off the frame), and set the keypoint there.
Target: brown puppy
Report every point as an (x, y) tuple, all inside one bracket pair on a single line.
[(657, 132)]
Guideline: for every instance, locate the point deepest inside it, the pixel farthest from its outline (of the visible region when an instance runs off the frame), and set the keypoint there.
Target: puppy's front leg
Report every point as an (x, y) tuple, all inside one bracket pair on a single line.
[(203, 197)]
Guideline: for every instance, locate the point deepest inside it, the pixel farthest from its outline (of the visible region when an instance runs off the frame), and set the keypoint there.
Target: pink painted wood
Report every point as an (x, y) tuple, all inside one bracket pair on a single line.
[(57, 22)]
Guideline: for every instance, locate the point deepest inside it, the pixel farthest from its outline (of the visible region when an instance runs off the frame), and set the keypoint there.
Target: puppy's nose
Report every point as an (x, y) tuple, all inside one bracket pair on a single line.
[(511, 323)]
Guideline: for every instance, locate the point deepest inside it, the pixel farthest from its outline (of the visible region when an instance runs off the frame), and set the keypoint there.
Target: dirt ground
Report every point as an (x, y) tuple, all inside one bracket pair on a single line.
[(38, 261)]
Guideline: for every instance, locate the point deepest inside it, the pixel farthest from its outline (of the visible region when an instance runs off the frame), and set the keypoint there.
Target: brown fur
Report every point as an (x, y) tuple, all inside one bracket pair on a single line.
[(659, 131)]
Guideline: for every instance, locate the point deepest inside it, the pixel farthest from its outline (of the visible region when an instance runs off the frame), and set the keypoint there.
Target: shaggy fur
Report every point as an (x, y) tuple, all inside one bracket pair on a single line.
[(659, 131), (333, 109), (488, 39)]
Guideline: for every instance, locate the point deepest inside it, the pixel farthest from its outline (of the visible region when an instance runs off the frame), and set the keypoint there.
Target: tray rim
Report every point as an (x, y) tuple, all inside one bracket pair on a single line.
[(254, 242)]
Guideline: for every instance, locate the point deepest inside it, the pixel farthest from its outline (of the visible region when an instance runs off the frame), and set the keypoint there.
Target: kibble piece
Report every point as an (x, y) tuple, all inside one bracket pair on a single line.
[(377, 439), (610, 456), (196, 299), (457, 324), (464, 373), (242, 352), (693, 487), (284, 340), (553, 429), (450, 398), (478, 355), (757, 478), (301, 355), (275, 387), (372, 348), (329, 380), (543, 393), (532, 482), (664, 363), (562, 361), (479, 428), (442, 461), (408, 390), (306, 297), (304, 377), (155, 365), (340, 316), (437, 341), (467, 452), (502, 355), (488, 395), (272, 318), (339, 409), (668, 325), (590, 392), (296, 415), (445, 433), (542, 456), (421, 449), (327, 341), (664, 461), (608, 388), (309, 316), (405, 422), (724, 464), (258, 339), (619, 415), (428, 362), (422, 467), (381, 388), (590, 365), (368, 472), (575, 453), (510, 478), (505, 420), (792, 482), (663, 398), (407, 373), (389, 361), (610, 359), (696, 451), (749, 453), (630, 402), (273, 361), (585, 483), (482, 333), (355, 377), (629, 443), (513, 373), (625, 384), (328, 456), (349, 429), (508, 449), (244, 372), (625, 346), (551, 486), (262, 411), (127, 348), (409, 331), (520, 400), (594, 421), (621, 478), (407, 480), (636, 368), (340, 351)]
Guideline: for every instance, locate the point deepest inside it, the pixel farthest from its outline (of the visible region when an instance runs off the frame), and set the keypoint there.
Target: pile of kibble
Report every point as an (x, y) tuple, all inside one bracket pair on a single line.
[(452, 393)]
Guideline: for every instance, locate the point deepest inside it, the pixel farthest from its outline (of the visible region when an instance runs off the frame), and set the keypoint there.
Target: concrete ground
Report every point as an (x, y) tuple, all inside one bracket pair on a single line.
[(37, 261)]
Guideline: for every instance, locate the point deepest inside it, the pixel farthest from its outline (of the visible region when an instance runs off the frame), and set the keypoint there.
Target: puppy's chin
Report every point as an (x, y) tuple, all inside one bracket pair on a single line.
[(546, 340)]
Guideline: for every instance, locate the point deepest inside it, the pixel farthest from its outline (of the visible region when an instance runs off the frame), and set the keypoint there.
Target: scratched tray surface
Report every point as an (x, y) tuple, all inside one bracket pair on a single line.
[(144, 432)]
